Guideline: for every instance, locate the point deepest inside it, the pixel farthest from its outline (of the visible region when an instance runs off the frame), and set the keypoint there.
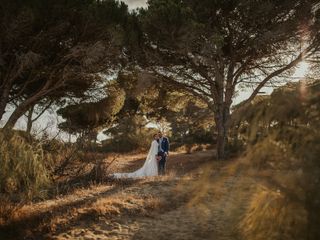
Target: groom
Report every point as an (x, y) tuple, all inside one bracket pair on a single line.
[(163, 151)]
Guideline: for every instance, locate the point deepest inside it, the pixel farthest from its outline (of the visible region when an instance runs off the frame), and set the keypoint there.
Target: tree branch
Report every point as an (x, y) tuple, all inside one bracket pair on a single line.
[(293, 63)]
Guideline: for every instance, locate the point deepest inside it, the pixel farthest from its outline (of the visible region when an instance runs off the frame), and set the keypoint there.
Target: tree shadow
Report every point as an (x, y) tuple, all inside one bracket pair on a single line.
[(94, 218), (39, 222)]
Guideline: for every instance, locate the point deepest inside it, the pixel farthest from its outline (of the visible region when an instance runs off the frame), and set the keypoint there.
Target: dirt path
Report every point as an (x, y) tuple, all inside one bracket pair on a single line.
[(212, 212), (199, 199)]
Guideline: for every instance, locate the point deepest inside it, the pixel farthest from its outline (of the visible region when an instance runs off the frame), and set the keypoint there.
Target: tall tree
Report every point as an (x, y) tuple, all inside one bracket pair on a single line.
[(56, 49), (210, 48)]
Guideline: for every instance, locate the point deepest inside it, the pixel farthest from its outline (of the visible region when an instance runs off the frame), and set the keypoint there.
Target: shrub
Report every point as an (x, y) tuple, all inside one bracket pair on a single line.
[(23, 173), (286, 133), (272, 216)]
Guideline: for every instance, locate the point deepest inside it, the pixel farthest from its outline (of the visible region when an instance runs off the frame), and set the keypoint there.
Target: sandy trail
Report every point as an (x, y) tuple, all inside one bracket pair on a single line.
[(212, 212), (199, 199)]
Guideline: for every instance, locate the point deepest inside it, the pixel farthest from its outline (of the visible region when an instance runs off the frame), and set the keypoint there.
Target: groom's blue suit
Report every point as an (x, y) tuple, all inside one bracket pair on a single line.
[(164, 148)]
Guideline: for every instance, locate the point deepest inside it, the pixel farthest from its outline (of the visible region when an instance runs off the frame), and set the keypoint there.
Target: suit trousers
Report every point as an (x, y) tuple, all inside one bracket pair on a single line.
[(162, 163)]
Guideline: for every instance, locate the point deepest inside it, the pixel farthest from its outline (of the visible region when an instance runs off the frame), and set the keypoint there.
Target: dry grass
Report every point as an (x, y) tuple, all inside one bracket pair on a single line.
[(23, 173), (23, 169), (279, 208), (124, 204), (273, 216)]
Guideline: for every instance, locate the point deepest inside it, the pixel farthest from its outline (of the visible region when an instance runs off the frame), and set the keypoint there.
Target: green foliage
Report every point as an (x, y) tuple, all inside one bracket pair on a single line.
[(23, 172), (191, 121), (239, 30), (167, 20), (129, 131), (85, 117), (129, 134)]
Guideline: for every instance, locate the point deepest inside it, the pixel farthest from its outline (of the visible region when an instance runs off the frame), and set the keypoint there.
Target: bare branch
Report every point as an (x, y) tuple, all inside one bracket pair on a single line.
[(293, 63)]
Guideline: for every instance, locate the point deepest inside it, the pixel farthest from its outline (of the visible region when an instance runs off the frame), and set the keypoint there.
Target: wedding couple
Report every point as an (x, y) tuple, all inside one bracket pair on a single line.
[(155, 163)]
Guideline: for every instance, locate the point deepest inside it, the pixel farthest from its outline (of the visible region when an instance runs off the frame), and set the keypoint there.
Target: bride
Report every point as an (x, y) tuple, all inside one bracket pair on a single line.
[(150, 166)]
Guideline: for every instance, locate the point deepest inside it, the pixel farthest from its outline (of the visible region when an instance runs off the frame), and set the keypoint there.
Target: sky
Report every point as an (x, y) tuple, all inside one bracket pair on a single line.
[(132, 4), (299, 74)]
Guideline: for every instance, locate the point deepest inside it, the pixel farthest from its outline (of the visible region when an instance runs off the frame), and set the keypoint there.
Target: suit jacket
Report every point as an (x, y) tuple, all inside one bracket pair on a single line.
[(165, 146)]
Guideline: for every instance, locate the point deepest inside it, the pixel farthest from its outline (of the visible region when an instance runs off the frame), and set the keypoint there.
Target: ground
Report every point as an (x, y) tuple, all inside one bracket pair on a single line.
[(200, 198)]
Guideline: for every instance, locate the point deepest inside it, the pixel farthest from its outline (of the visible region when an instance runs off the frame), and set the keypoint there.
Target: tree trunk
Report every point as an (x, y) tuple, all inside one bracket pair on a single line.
[(222, 121), (4, 95), (222, 90), (220, 140), (29, 120), (221, 137), (19, 111)]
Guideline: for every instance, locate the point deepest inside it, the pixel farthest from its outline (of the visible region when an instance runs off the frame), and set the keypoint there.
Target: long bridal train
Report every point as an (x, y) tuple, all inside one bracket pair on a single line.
[(149, 168)]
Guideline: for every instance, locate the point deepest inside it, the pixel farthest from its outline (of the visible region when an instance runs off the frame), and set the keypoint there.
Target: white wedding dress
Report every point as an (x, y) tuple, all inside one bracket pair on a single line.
[(149, 168)]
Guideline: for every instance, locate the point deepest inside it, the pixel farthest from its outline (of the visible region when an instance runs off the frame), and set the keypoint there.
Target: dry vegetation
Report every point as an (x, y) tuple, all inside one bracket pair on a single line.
[(283, 149), (23, 173), (198, 199)]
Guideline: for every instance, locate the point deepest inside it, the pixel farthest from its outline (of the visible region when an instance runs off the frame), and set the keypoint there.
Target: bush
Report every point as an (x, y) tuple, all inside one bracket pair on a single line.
[(23, 173), (285, 154), (140, 139), (272, 216)]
